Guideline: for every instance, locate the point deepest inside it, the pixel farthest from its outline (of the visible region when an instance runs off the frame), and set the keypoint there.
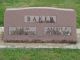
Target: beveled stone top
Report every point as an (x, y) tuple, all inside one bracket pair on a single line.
[(40, 8)]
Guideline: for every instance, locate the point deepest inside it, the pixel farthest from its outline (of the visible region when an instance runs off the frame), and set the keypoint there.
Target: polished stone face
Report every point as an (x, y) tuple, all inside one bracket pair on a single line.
[(43, 24)]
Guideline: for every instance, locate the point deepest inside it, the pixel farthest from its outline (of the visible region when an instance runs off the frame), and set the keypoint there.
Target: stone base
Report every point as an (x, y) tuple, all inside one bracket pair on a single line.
[(40, 41)]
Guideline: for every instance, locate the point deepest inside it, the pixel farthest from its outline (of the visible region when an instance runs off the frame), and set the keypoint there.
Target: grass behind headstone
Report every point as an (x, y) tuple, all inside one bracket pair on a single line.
[(75, 4)]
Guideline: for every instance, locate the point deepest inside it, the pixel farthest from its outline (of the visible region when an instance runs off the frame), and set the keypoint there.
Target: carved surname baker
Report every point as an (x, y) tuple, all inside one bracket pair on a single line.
[(40, 19)]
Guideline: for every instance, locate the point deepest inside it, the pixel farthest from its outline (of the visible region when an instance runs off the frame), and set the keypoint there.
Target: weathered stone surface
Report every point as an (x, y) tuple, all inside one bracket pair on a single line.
[(40, 24)]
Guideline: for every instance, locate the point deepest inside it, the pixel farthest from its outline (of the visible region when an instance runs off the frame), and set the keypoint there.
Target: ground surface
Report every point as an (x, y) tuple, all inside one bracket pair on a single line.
[(39, 45), (75, 4), (39, 54)]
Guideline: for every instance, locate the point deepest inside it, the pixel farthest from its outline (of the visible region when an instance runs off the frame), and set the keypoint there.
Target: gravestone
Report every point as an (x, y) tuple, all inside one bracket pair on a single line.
[(40, 24)]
